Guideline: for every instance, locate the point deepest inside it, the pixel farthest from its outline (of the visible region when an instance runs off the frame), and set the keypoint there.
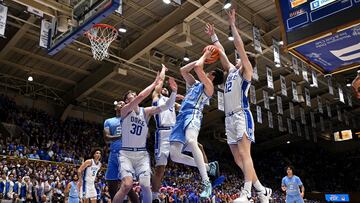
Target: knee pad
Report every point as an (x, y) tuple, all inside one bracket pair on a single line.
[(144, 181)]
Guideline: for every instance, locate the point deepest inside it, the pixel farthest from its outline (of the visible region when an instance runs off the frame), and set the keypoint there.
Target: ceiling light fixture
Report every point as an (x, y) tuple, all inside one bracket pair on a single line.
[(227, 4)]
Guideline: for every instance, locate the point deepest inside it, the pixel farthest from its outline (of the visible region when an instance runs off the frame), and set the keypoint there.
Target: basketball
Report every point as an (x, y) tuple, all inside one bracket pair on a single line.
[(214, 56)]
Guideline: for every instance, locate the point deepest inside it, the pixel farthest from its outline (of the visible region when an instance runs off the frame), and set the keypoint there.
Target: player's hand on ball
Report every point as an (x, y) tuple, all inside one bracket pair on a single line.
[(172, 84), (231, 17), (208, 52), (209, 29)]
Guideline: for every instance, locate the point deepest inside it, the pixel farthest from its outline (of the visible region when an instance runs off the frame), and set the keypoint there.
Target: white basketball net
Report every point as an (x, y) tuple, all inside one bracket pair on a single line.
[(101, 36)]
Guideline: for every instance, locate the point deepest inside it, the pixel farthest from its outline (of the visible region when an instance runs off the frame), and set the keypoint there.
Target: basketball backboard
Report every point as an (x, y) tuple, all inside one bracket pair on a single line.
[(85, 14)]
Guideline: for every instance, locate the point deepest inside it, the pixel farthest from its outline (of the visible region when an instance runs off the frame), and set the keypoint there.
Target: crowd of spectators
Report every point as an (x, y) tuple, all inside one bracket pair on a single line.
[(50, 139)]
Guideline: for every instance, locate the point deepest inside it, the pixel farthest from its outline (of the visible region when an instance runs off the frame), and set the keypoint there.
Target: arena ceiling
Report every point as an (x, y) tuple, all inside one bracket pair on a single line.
[(73, 78)]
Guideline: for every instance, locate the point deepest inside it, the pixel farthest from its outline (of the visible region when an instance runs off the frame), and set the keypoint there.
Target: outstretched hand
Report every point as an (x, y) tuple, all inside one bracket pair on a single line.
[(209, 29), (164, 67), (157, 79), (172, 84), (231, 17)]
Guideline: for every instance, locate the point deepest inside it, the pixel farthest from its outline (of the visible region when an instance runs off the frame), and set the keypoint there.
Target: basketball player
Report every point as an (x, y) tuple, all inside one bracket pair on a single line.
[(112, 135), (134, 158), (71, 190), (188, 121), (165, 122), (88, 171), (239, 124), (291, 184)]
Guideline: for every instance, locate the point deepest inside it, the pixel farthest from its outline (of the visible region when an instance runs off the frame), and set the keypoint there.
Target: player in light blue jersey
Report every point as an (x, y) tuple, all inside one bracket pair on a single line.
[(239, 123), (72, 191), (134, 158), (291, 184), (112, 135), (188, 121)]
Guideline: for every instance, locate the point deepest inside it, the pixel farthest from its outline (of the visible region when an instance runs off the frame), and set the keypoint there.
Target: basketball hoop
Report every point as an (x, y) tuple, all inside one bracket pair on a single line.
[(101, 36)]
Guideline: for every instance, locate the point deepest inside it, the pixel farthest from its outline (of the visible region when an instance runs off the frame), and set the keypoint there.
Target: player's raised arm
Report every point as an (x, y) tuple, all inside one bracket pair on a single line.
[(168, 104), (239, 45), (125, 110), (199, 70), (185, 72), (158, 88)]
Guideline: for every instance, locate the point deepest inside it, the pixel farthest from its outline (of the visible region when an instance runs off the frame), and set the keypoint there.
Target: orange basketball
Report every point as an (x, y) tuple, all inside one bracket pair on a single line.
[(214, 56)]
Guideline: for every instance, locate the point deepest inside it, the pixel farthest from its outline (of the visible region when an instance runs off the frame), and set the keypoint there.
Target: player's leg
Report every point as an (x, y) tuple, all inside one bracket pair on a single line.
[(126, 186), (156, 180), (177, 156), (126, 171), (93, 200), (133, 196), (236, 154), (143, 171), (191, 139), (201, 147)]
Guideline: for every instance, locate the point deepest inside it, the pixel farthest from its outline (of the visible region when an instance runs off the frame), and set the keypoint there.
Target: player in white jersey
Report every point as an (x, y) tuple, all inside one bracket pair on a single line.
[(239, 124), (88, 171), (134, 158)]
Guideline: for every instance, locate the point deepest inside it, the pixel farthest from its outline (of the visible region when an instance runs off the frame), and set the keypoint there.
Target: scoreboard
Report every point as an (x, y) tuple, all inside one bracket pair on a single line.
[(323, 33)]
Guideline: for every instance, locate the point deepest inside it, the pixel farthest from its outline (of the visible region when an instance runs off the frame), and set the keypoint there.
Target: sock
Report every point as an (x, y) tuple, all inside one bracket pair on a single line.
[(207, 167), (247, 186), (259, 188)]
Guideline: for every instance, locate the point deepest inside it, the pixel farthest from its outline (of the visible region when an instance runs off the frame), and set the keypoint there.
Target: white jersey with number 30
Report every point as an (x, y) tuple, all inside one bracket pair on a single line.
[(135, 129), (236, 91)]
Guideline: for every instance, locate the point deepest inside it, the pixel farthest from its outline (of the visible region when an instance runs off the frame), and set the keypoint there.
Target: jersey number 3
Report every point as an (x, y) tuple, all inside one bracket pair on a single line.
[(136, 129), (228, 87)]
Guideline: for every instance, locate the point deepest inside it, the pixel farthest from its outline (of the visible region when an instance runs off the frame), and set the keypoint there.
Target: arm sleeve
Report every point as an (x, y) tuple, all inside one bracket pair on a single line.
[(169, 103)]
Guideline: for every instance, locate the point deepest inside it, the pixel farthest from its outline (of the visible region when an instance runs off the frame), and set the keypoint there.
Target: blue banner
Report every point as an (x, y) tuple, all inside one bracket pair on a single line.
[(335, 51), (337, 198)]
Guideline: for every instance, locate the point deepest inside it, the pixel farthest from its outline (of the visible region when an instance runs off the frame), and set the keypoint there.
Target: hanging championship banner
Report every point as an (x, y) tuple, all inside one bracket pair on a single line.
[(279, 105), (314, 79), (269, 76), (322, 124), (280, 122), (258, 114), (252, 94), (295, 65), (276, 52), (220, 100), (331, 90), (270, 120), (292, 111), (349, 97), (302, 115), (338, 113), (341, 94), (298, 129), (283, 85), (255, 74), (307, 97), (119, 10), (257, 40), (3, 17), (328, 108), (312, 118), (307, 136), (266, 100), (294, 91), (320, 107), (304, 72), (44, 34), (289, 124)]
